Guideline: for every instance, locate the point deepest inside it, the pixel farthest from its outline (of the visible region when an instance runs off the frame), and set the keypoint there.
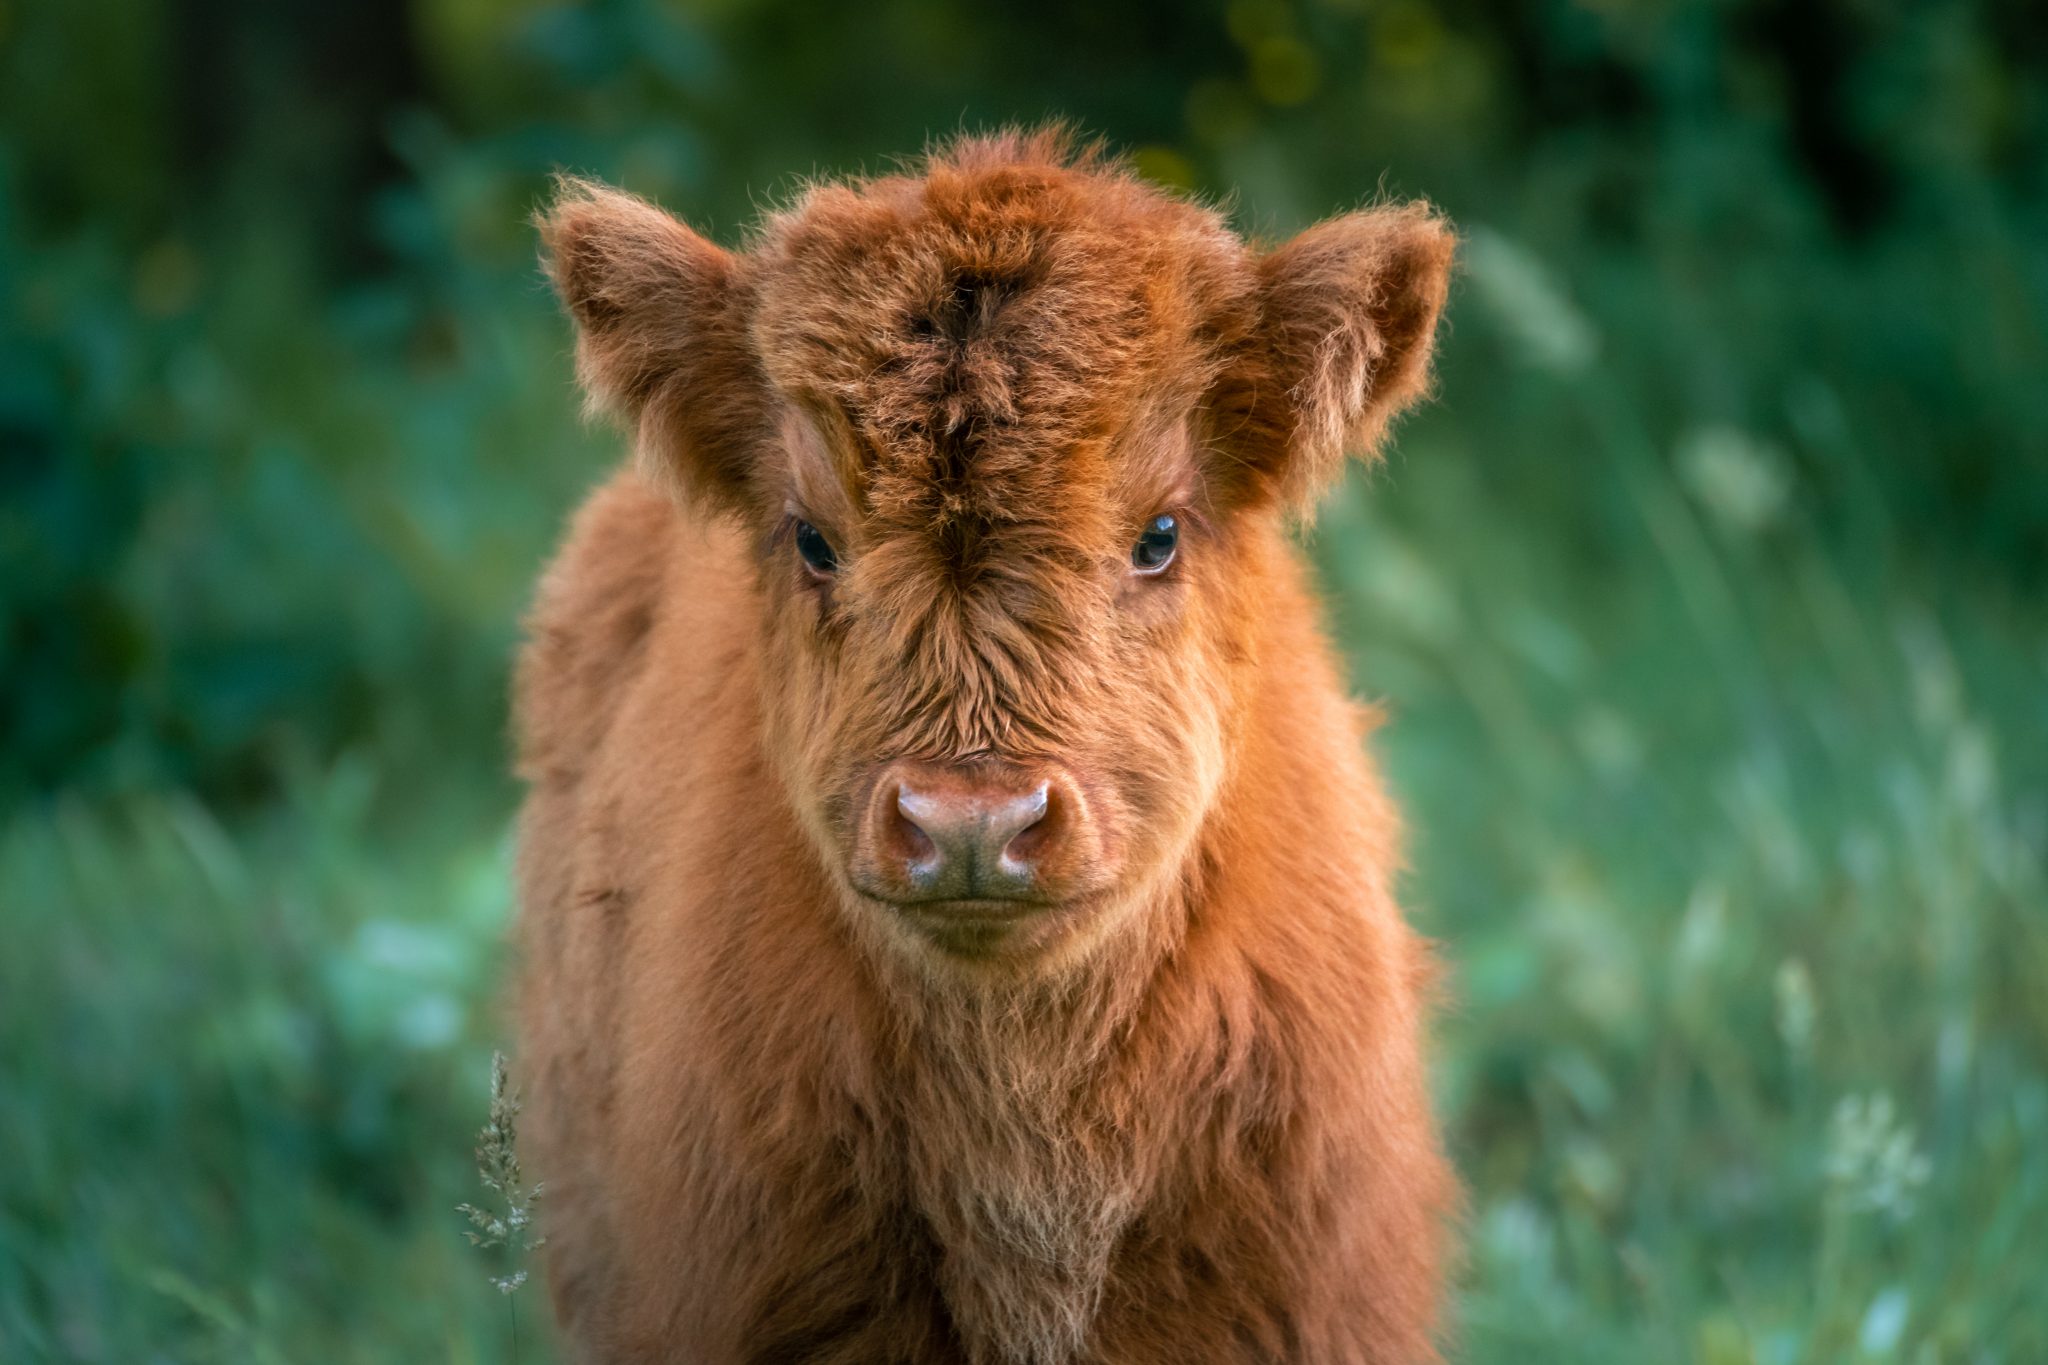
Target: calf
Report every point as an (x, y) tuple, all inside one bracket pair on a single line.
[(958, 916)]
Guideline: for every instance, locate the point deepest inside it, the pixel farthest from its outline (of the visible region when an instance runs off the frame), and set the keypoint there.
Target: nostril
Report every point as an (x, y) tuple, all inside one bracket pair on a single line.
[(909, 839), (1030, 829)]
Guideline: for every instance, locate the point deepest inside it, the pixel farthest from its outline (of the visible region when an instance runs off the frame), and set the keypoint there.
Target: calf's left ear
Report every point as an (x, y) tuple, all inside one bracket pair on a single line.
[(1346, 324)]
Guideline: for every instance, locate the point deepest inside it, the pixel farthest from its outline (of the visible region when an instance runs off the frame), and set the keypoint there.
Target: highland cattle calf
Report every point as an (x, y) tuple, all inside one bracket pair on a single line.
[(958, 917)]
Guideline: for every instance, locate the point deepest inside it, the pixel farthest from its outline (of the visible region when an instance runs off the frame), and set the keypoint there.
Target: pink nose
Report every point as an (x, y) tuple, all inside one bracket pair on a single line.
[(963, 832)]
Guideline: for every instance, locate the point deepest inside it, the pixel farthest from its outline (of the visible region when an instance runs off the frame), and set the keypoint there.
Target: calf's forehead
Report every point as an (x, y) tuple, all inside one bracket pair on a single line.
[(994, 344)]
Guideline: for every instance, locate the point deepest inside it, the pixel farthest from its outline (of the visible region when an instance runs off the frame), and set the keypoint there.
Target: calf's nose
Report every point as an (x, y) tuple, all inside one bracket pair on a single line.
[(962, 841), (961, 832)]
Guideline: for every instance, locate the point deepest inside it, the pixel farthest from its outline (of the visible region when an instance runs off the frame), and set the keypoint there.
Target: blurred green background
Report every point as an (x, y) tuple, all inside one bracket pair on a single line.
[(1707, 602)]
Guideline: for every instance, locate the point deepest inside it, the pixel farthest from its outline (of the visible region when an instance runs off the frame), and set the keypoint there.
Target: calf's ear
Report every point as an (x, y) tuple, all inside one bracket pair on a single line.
[(661, 336), (1346, 323)]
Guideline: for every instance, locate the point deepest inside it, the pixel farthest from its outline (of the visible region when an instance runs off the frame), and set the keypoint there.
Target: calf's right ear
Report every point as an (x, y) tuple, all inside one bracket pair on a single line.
[(661, 335)]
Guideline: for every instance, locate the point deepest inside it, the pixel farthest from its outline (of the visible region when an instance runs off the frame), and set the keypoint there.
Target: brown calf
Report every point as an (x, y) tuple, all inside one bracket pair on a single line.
[(958, 913)]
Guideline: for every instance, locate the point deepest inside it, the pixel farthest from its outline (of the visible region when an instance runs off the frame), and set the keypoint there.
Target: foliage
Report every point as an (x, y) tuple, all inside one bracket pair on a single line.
[(1705, 605)]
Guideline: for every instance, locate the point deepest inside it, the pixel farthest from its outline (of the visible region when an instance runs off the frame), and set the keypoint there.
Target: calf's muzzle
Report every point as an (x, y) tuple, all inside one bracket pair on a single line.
[(932, 833)]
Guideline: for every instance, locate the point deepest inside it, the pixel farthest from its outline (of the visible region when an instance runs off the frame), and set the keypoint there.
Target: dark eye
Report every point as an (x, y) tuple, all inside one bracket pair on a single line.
[(1155, 547), (819, 556)]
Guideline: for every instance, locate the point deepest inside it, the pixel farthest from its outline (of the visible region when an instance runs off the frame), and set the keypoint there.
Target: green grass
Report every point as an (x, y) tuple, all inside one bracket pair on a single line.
[(1730, 860), (243, 1075)]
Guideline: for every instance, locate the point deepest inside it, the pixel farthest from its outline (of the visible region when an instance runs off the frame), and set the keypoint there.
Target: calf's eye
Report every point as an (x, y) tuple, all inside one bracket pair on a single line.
[(818, 555), (1155, 547)]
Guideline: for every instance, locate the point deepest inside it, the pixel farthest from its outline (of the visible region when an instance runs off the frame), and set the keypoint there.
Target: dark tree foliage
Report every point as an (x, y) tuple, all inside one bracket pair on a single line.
[(285, 421)]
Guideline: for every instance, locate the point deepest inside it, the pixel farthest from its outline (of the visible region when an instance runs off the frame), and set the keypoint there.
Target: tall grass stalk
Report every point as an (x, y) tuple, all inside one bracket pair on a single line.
[(497, 1165)]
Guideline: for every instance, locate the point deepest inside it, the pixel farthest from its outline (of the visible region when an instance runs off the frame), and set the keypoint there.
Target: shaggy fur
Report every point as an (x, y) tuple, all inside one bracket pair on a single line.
[(1182, 1115)]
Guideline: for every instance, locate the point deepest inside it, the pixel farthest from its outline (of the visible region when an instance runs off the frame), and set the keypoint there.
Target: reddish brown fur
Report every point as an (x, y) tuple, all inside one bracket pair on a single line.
[(1181, 1117)]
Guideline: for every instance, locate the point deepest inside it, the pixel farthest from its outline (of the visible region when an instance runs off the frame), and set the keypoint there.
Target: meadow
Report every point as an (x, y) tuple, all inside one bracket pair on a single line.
[(1707, 606)]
